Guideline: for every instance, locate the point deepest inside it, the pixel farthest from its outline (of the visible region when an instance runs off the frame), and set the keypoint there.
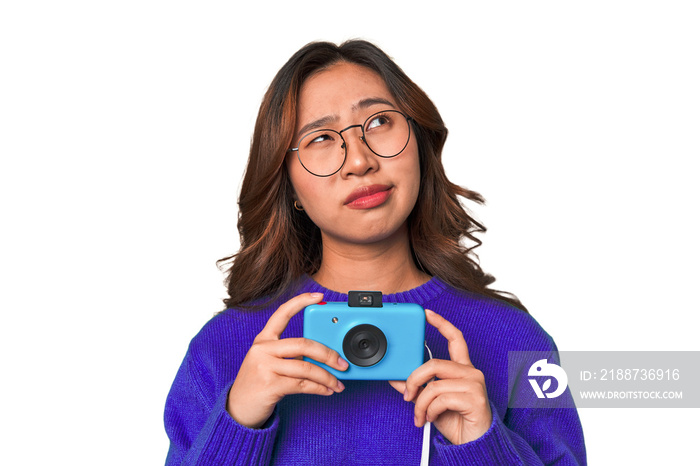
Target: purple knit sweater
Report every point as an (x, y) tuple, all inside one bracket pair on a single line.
[(367, 423)]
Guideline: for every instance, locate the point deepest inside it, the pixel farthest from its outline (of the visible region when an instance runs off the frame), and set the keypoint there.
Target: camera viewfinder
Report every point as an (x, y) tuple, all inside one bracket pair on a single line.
[(364, 299)]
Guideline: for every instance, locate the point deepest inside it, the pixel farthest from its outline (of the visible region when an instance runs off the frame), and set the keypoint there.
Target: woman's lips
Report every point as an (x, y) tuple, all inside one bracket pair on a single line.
[(367, 197)]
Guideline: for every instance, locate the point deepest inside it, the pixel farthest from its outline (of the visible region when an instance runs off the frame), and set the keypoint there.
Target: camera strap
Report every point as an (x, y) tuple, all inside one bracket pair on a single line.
[(425, 452)]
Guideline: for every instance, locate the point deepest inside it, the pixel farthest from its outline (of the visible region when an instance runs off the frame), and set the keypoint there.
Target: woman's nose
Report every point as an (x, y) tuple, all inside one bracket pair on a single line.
[(359, 159)]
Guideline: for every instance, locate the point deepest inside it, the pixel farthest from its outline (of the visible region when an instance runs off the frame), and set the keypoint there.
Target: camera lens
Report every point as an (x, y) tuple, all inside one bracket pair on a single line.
[(364, 345)]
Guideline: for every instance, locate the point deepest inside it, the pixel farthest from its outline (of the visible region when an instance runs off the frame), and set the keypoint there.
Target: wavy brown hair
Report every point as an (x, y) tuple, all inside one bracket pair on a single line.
[(280, 244)]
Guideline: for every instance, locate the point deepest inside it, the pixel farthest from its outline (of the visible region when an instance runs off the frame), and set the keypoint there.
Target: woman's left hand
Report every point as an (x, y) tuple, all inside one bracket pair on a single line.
[(456, 402)]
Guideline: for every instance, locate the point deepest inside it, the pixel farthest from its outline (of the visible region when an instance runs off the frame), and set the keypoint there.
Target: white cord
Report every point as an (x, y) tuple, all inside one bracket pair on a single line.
[(425, 452)]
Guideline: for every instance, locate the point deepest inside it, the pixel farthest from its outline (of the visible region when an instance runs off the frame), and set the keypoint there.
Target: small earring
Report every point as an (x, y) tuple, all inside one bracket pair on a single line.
[(298, 206)]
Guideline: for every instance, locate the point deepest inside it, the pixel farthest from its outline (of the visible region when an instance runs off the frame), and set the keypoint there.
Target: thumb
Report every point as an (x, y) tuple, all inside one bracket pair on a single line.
[(399, 385)]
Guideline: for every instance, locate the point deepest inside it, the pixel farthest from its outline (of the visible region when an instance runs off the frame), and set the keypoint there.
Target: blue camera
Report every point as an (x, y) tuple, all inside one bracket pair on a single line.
[(380, 341)]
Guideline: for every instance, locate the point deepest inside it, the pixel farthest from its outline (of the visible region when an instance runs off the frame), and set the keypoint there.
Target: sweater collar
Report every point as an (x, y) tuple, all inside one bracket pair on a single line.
[(419, 295)]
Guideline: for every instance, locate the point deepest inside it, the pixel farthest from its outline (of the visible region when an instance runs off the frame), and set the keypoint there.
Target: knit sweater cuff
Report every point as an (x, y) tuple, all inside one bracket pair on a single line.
[(229, 442), (494, 447)]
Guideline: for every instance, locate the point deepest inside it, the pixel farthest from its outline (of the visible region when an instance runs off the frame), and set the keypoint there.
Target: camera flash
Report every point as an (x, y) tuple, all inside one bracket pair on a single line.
[(334, 320)]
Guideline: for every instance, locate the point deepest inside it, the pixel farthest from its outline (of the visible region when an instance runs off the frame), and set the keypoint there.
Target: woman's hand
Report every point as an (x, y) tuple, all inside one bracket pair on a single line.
[(273, 368), (456, 402)]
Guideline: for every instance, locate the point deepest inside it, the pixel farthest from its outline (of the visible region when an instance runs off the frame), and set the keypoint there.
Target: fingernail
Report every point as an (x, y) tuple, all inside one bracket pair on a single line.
[(429, 311), (341, 387), (342, 363), (317, 295), (415, 421), (405, 395)]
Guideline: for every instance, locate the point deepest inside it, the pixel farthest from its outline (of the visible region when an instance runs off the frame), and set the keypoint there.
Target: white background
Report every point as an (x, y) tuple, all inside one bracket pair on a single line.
[(125, 126)]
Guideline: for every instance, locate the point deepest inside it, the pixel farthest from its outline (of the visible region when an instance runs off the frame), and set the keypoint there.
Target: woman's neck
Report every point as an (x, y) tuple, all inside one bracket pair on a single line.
[(385, 266)]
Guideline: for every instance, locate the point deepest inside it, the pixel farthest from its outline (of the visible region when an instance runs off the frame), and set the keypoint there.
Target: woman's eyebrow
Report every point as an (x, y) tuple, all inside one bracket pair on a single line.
[(370, 101), (322, 122)]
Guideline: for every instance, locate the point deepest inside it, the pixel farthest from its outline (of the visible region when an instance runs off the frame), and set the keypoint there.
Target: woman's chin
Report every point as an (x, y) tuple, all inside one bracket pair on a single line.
[(367, 234)]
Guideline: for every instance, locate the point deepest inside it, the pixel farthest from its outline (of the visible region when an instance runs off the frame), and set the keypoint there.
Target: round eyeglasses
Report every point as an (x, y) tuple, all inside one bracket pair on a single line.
[(323, 152)]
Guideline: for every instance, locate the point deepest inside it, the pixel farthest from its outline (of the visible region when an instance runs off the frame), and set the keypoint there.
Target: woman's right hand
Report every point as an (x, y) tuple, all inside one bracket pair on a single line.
[(273, 368)]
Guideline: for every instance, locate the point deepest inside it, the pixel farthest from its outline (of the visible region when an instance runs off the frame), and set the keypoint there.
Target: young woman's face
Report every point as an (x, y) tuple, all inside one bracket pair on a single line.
[(370, 197)]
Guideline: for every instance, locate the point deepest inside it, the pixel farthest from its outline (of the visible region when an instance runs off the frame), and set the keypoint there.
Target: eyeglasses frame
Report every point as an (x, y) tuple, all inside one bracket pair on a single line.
[(362, 138)]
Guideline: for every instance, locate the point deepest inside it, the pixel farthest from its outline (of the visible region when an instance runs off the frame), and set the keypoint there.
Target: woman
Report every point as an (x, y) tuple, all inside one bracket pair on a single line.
[(345, 190)]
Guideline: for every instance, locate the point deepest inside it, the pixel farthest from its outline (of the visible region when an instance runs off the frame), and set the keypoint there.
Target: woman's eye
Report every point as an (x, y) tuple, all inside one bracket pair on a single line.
[(378, 121), (324, 137)]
